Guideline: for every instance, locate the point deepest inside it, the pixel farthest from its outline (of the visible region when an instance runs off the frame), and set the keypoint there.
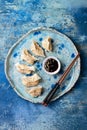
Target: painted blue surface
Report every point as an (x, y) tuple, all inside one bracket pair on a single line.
[(16, 18), (15, 55), (40, 39), (72, 55)]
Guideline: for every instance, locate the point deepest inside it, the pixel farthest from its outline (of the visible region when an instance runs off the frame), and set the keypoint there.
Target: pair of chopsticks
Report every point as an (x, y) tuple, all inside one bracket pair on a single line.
[(48, 98)]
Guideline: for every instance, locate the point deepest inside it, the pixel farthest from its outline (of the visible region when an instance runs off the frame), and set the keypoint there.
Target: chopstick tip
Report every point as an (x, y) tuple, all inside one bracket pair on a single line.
[(43, 103)]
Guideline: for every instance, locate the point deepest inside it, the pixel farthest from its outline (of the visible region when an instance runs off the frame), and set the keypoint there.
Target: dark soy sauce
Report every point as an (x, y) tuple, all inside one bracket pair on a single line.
[(51, 65)]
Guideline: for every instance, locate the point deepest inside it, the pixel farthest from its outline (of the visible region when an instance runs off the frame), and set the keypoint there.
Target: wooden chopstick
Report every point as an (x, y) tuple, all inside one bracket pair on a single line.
[(57, 85), (68, 69)]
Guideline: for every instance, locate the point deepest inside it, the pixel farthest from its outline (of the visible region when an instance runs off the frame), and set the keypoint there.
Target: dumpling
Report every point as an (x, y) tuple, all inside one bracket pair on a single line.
[(30, 81), (35, 91), (28, 57), (25, 69), (36, 49), (47, 44)]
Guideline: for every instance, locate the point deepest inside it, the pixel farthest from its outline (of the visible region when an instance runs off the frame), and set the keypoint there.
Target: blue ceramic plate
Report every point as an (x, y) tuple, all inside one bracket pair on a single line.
[(63, 49)]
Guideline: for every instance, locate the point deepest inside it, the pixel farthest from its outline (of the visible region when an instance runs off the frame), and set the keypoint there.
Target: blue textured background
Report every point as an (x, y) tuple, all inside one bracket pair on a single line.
[(16, 18)]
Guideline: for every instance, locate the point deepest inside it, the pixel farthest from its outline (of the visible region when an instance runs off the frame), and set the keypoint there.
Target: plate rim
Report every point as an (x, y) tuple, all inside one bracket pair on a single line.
[(19, 40)]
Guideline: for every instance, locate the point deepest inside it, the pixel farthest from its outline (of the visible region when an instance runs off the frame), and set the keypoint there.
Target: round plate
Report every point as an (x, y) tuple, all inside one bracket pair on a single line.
[(63, 49)]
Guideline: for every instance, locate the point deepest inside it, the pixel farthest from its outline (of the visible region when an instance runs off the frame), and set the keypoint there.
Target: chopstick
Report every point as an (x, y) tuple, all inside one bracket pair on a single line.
[(58, 84)]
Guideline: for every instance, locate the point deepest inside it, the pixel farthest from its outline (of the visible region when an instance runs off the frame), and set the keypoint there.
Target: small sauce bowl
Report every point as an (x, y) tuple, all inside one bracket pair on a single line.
[(51, 65)]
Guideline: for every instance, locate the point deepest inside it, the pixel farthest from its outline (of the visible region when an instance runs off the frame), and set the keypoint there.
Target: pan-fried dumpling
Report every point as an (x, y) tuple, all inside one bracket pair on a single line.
[(25, 69), (36, 49), (35, 91), (28, 57), (47, 44), (30, 81)]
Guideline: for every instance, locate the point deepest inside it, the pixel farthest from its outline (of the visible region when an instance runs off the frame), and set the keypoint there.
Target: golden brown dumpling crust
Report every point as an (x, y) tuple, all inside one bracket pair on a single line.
[(25, 69), (47, 44), (26, 56), (35, 91), (37, 50), (30, 81)]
